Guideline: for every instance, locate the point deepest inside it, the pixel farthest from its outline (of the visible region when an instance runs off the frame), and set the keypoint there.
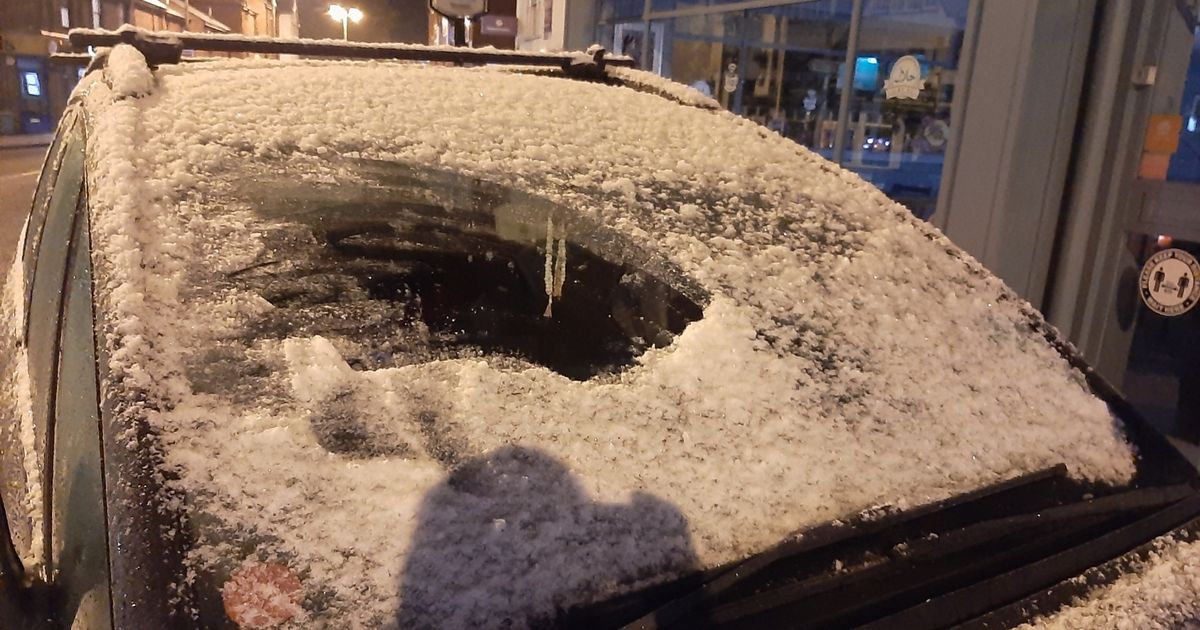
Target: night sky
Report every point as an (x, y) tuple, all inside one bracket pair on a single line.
[(383, 21)]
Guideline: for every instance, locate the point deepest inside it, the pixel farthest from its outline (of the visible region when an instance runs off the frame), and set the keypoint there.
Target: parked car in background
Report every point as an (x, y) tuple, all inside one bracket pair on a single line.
[(373, 343)]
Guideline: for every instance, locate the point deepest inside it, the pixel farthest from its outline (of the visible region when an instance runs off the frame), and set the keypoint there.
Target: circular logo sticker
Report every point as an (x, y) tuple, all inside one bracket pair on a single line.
[(1169, 282), (262, 595)]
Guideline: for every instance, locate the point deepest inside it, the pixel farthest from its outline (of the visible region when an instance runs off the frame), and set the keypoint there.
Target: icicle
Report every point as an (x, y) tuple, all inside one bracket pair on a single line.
[(549, 271), (556, 270), (560, 268)]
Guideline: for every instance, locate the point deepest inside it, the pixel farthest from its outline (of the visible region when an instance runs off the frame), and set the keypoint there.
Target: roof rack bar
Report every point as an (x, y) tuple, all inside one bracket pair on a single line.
[(85, 58), (166, 47)]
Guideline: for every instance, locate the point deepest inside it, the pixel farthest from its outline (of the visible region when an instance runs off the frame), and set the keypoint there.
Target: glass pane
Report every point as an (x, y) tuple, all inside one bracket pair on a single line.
[(619, 10), (1162, 378), (645, 46), (1185, 164), (701, 48), (904, 78), (785, 67), (792, 85), (777, 66)]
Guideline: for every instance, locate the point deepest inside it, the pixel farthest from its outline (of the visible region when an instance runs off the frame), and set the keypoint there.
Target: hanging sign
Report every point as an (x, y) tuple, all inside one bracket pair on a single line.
[(1168, 282), (456, 9), (498, 25), (905, 79)]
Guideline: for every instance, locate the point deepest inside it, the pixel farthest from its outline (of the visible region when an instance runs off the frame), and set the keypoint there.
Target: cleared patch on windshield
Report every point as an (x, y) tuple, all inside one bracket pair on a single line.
[(404, 265)]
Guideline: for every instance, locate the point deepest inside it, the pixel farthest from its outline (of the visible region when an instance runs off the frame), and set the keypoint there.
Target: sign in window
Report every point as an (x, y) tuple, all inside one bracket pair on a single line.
[(31, 84)]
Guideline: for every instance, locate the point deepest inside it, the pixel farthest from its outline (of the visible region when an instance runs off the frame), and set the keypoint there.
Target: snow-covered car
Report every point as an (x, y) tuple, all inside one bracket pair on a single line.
[(307, 343)]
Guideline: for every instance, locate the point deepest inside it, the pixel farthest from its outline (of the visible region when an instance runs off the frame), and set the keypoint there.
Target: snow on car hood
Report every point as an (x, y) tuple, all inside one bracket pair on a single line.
[(848, 356), (1159, 592)]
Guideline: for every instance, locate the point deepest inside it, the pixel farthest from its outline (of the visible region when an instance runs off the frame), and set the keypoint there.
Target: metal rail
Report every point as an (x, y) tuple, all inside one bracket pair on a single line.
[(167, 47)]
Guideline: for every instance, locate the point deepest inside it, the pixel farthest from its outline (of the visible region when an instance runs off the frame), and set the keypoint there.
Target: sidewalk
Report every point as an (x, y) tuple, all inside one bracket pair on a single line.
[(25, 140)]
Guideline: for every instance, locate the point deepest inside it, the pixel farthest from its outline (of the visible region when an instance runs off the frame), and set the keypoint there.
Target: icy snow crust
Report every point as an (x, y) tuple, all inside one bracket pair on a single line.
[(1162, 592), (127, 72), (849, 355)]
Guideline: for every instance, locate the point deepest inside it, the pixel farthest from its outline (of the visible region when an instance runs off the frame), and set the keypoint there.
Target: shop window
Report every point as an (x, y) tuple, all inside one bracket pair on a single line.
[(784, 66), (31, 83), (531, 20), (644, 46), (622, 10)]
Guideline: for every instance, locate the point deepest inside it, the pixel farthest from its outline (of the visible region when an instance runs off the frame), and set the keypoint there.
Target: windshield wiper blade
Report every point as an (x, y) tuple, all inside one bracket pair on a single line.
[(969, 601), (930, 565), (1113, 504), (834, 534)]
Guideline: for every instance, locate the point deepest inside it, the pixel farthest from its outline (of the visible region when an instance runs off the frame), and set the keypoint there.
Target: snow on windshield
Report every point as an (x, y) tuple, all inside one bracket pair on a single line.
[(849, 355)]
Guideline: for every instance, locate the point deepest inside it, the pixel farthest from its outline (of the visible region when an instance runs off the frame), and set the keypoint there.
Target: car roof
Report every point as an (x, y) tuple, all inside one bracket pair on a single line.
[(850, 355)]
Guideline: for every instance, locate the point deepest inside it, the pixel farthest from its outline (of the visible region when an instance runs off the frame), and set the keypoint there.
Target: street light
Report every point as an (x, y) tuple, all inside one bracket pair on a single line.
[(345, 16)]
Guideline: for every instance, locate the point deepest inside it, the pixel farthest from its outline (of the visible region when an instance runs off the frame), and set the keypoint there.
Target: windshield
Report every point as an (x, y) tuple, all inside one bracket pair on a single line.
[(403, 265)]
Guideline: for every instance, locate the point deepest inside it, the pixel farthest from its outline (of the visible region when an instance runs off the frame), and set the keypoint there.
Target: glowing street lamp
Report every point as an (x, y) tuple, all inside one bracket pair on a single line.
[(345, 16)]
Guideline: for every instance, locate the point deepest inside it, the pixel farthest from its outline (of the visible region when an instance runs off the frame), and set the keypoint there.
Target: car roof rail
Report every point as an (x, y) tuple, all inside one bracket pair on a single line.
[(166, 47), (86, 58)]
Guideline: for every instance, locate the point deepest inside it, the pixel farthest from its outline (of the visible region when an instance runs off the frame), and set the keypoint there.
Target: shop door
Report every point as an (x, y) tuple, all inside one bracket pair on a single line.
[(1162, 374), (35, 113)]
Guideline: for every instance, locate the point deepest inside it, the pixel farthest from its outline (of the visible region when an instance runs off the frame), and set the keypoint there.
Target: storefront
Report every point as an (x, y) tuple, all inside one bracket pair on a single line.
[(1162, 332), (1057, 141), (788, 66)]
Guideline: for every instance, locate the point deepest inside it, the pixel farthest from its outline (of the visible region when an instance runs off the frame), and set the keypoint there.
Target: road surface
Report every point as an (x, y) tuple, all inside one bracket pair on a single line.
[(18, 176)]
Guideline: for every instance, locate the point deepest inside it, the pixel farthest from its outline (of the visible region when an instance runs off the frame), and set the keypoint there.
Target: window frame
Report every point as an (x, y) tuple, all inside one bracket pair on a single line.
[(46, 273)]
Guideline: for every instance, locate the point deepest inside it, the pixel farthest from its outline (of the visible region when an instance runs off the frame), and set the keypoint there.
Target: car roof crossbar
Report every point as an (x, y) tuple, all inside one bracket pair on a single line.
[(166, 47)]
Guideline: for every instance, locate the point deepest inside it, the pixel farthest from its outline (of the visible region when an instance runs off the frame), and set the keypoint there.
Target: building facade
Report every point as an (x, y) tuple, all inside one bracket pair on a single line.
[(34, 87), (497, 28), (33, 91)]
